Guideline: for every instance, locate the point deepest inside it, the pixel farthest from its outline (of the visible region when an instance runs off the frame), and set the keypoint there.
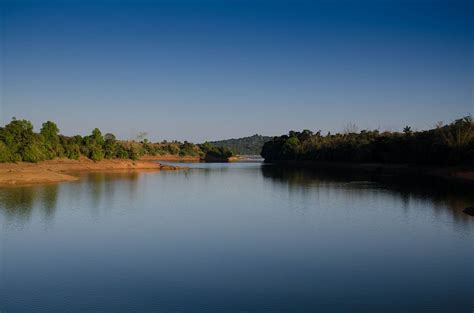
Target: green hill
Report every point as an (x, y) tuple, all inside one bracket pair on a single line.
[(251, 145)]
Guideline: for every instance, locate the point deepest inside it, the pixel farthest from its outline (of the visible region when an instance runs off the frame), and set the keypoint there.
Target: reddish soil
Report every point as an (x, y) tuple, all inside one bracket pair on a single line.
[(60, 170)]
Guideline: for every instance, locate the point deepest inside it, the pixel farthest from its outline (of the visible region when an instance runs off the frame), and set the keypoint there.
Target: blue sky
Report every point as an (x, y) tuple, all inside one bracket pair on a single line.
[(204, 70)]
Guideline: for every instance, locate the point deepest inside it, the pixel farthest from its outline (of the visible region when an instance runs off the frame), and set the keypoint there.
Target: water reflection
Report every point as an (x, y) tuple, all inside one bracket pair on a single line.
[(20, 203), (102, 189), (442, 196), (235, 238)]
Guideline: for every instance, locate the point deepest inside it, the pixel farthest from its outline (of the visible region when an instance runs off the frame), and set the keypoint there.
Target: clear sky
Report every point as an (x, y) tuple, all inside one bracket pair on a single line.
[(204, 70)]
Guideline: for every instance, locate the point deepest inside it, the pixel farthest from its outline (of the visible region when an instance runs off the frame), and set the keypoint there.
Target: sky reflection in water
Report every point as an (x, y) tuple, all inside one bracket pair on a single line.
[(236, 237)]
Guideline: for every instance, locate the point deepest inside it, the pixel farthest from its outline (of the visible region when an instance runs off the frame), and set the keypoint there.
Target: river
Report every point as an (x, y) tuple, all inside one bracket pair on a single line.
[(237, 237)]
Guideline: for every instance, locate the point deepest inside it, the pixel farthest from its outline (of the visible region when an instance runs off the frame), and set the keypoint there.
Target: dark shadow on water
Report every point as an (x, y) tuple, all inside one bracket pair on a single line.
[(441, 194)]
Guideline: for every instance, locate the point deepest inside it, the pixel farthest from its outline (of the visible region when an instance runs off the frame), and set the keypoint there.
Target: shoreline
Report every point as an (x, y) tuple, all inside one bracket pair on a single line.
[(457, 174), (169, 157), (177, 158), (63, 170)]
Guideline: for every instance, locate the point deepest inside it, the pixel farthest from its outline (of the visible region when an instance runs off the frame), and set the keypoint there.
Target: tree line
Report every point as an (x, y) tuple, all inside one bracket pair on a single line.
[(18, 142), (251, 145), (451, 144)]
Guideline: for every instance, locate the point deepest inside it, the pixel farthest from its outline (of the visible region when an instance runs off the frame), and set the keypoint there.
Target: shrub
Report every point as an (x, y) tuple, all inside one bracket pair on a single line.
[(5, 154)]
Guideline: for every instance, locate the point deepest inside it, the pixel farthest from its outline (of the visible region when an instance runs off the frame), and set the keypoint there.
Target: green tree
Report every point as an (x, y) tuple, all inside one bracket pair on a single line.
[(96, 153), (17, 135), (110, 146), (5, 154), (450, 144), (95, 145), (291, 146), (34, 150), (50, 133), (97, 137)]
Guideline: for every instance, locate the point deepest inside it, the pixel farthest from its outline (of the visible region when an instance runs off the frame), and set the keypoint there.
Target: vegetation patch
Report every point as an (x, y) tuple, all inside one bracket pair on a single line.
[(18, 142), (451, 144), (251, 145)]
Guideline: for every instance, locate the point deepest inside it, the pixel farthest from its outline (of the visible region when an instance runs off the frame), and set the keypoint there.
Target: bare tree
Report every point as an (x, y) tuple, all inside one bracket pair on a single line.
[(350, 128)]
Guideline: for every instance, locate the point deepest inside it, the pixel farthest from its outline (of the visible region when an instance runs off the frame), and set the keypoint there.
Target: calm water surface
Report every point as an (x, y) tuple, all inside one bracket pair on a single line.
[(241, 237)]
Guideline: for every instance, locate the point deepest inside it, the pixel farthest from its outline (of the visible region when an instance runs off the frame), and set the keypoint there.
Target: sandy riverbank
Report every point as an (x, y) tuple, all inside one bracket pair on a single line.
[(61, 170)]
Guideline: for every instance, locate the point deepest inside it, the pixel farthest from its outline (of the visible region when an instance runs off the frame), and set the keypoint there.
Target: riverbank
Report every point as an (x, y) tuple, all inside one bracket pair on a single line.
[(63, 170), (177, 158), (170, 157), (458, 174)]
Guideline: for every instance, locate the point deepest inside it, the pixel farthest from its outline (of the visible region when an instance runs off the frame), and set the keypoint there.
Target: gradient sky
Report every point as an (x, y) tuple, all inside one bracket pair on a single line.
[(204, 70)]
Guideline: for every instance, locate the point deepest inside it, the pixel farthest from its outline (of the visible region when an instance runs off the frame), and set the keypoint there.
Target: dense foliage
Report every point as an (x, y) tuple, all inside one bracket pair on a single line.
[(251, 145), (18, 142), (215, 153), (444, 145)]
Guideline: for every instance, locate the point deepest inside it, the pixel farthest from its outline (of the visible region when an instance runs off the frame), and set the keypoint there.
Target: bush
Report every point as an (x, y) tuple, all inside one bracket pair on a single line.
[(72, 151), (96, 153), (5, 154), (34, 152), (133, 152)]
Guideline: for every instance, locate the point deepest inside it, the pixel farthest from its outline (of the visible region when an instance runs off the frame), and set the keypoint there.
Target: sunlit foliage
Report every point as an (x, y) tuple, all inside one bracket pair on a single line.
[(18, 142)]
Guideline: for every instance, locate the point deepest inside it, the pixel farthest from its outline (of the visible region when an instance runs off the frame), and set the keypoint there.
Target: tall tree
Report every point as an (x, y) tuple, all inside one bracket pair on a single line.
[(50, 133)]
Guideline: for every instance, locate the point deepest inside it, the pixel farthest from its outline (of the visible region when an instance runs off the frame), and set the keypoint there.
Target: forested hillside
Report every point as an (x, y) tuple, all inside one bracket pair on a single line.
[(251, 145), (451, 144)]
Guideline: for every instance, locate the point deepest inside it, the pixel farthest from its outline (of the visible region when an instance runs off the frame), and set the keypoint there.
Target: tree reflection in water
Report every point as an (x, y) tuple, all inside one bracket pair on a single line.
[(20, 203), (440, 194)]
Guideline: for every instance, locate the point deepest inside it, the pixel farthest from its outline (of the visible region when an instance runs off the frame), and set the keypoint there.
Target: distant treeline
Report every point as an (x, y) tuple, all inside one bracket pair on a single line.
[(251, 145), (451, 144), (18, 142)]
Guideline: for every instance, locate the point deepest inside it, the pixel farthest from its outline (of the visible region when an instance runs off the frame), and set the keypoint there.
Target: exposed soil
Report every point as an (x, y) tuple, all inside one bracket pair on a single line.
[(61, 170)]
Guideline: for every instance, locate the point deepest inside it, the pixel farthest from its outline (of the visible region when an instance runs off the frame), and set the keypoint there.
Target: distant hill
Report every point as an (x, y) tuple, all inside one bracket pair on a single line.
[(251, 145)]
